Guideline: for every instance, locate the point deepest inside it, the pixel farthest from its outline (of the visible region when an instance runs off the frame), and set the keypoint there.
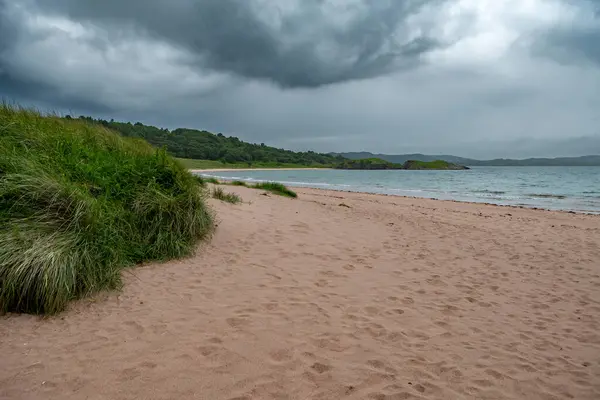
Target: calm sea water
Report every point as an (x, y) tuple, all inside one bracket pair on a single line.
[(560, 188)]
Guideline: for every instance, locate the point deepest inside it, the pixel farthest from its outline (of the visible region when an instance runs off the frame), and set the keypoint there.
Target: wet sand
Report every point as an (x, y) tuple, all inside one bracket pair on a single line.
[(336, 296)]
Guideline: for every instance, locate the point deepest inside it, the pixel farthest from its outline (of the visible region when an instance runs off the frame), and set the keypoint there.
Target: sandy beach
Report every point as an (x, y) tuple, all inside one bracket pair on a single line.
[(336, 296)]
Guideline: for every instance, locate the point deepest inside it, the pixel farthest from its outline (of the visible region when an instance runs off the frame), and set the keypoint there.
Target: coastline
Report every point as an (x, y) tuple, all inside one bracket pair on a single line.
[(528, 207), (336, 295)]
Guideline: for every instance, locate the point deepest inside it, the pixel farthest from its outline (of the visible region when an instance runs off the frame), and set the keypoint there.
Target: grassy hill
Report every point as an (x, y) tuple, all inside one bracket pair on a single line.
[(78, 203)]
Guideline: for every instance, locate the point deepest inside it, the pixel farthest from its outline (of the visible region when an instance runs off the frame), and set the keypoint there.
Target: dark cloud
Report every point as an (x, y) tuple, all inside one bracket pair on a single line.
[(300, 45), (431, 76), (18, 86)]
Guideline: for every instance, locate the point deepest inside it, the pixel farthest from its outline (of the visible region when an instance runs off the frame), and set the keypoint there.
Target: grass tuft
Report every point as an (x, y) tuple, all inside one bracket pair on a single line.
[(220, 194), (212, 180), (276, 188), (238, 183), (78, 203)]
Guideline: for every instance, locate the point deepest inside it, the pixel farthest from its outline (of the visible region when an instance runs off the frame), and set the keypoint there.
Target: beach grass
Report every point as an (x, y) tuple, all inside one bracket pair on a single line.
[(212, 180), (238, 183), (219, 194), (276, 188), (201, 180), (79, 203)]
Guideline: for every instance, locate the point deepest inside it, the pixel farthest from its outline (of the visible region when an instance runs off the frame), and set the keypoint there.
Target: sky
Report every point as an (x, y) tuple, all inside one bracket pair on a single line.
[(473, 78)]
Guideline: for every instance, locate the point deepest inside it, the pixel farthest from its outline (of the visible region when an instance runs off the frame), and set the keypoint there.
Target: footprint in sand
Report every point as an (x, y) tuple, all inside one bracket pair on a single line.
[(136, 327), (236, 322), (320, 368), (282, 355)]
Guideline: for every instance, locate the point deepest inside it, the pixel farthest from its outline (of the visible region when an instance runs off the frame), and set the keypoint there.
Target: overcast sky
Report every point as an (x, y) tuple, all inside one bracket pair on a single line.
[(474, 78)]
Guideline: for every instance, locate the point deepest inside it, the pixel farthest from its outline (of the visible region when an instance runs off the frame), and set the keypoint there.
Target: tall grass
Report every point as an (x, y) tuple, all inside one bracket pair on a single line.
[(78, 203), (276, 188), (219, 194)]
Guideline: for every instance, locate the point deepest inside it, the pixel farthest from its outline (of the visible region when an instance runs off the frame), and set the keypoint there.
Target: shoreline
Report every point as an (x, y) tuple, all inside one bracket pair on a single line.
[(335, 295), (526, 207), (255, 169), (476, 203)]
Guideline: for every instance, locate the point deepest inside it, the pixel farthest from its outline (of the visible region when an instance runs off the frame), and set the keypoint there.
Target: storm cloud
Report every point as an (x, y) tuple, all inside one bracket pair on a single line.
[(471, 77), (305, 43)]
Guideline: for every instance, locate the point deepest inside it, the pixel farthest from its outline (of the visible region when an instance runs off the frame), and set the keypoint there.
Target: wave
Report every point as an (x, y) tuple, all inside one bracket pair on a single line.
[(496, 192), (547, 196)]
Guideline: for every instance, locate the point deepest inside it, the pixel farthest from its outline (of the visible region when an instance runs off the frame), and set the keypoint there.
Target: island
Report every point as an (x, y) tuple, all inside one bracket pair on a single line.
[(380, 164)]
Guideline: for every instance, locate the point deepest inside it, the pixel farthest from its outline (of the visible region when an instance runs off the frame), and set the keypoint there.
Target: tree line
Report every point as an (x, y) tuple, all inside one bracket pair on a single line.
[(204, 145)]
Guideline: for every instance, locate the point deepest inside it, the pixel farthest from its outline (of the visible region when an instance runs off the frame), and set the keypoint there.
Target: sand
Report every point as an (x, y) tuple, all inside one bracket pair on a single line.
[(388, 298)]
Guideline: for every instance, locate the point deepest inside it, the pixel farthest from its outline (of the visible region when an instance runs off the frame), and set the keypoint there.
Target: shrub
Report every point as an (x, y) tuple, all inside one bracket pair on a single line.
[(78, 203)]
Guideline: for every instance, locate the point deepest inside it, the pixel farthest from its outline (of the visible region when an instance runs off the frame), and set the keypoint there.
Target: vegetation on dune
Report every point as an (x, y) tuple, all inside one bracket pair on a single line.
[(276, 188), (219, 194), (78, 203), (273, 187), (203, 145), (238, 183), (212, 180), (201, 181)]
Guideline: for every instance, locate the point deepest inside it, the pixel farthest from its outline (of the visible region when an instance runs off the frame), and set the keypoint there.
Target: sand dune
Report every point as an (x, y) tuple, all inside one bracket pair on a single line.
[(389, 298)]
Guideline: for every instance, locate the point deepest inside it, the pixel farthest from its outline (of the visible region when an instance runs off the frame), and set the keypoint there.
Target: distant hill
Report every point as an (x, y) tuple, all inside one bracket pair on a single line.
[(543, 162), (402, 158)]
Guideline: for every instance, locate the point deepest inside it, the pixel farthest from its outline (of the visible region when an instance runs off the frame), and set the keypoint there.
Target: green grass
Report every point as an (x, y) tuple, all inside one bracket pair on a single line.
[(79, 203), (210, 164), (238, 183), (201, 181), (276, 188), (220, 194), (212, 180)]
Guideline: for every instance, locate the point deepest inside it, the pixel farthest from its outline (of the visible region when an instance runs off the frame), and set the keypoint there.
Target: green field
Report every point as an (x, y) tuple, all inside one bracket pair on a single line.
[(213, 164)]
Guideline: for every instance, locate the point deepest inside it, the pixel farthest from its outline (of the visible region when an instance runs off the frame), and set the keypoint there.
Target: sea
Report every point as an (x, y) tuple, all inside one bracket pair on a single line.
[(554, 188)]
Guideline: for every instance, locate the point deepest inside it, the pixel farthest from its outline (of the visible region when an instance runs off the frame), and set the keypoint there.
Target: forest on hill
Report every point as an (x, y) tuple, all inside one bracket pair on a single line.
[(204, 145)]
